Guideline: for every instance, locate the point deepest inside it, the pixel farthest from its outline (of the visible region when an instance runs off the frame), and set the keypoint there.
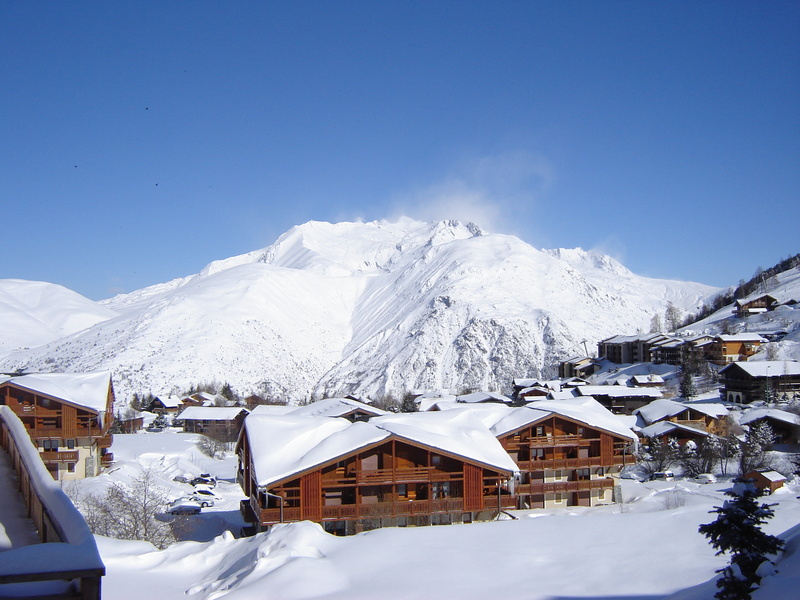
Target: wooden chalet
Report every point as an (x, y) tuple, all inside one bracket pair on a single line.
[(566, 451), (68, 417), (745, 382), (725, 349), (619, 399), (408, 469), (785, 425), (165, 405), (221, 423), (753, 305), (667, 430), (710, 417)]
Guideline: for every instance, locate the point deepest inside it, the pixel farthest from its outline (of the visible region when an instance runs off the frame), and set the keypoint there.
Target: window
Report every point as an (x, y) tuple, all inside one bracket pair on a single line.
[(50, 444), (436, 460), (70, 444), (537, 453), (71, 467)]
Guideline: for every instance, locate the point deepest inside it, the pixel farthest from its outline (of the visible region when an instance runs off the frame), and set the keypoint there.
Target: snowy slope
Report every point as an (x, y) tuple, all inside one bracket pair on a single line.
[(33, 313), (369, 308), (785, 287)]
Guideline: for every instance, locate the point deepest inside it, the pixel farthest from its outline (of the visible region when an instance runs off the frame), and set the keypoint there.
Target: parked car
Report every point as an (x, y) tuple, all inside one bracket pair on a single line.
[(205, 497), (205, 479), (184, 506), (662, 476), (704, 478)]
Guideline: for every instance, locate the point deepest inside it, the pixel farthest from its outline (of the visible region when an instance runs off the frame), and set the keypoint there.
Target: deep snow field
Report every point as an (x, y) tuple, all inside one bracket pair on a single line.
[(646, 548)]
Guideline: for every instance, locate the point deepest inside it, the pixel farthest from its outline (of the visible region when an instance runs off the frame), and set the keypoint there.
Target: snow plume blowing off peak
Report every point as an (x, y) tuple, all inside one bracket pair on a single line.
[(374, 309)]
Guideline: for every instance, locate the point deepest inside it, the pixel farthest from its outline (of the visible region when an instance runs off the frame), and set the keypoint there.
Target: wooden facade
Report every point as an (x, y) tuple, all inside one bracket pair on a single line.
[(563, 462), (393, 482), (73, 439)]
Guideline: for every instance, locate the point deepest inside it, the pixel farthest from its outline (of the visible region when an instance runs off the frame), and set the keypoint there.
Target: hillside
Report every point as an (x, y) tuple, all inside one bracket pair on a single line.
[(367, 308)]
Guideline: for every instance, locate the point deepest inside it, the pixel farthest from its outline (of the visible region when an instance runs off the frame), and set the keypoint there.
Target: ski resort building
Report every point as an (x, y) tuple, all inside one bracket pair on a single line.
[(407, 469), (221, 423), (68, 416), (565, 451), (770, 380)]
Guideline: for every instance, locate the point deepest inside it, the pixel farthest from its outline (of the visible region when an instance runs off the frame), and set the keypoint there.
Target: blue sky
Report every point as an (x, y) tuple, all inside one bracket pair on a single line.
[(141, 141)]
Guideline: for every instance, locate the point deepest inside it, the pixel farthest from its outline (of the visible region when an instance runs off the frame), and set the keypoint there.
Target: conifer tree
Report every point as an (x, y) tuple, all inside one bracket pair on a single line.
[(737, 531)]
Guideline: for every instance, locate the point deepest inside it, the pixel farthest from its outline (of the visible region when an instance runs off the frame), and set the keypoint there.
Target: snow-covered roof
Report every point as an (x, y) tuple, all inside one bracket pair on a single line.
[(211, 413), (336, 407), (617, 391), (663, 409), (756, 414), (89, 390), (766, 368), (272, 409), (170, 401), (483, 397), (772, 475), (665, 427), (285, 446), (647, 379), (741, 337)]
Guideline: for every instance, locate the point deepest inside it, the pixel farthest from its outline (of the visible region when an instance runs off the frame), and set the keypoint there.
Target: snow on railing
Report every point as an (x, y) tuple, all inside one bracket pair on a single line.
[(68, 561)]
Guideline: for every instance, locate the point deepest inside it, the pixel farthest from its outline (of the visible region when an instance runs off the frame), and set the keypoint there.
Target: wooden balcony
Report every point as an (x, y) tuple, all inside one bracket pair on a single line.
[(401, 508), (389, 476), (550, 441), (105, 441), (54, 456), (107, 458), (560, 463), (552, 487)]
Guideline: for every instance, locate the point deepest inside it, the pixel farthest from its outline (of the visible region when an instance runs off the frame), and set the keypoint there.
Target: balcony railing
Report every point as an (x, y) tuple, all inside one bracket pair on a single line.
[(557, 440), (551, 487), (387, 476), (63, 456)]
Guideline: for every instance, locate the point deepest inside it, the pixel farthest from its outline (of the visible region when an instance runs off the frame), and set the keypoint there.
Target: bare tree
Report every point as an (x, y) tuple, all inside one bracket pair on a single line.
[(128, 512)]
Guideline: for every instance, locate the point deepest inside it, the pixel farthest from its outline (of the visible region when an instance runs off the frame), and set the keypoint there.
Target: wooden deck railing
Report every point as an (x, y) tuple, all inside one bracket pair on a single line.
[(67, 559), (387, 476), (551, 487)]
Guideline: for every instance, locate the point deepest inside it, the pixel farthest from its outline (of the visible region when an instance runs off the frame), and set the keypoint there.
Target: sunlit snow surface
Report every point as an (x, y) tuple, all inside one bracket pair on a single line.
[(645, 548)]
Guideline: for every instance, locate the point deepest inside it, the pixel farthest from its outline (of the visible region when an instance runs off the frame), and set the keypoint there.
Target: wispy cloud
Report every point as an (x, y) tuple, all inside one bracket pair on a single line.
[(494, 192)]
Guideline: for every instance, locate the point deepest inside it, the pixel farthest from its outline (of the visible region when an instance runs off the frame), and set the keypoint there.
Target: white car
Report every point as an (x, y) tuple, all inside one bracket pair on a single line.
[(704, 478), (205, 497), (184, 506)]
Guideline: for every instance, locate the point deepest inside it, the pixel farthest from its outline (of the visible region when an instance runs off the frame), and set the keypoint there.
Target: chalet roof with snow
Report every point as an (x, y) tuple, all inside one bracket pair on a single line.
[(740, 337), (272, 409), (88, 390), (651, 379), (476, 397), (765, 368), (617, 391), (212, 413), (668, 427), (283, 447), (664, 409), (336, 407), (756, 414)]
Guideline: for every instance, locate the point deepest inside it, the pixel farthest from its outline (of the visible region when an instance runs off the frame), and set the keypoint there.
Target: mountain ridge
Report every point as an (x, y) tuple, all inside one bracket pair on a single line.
[(372, 309)]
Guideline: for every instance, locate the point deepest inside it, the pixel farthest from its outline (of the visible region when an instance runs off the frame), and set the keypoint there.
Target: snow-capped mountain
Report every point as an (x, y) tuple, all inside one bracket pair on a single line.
[(366, 308), (33, 313)]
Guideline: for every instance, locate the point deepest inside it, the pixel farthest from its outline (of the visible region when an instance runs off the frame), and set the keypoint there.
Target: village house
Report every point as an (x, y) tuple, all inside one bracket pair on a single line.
[(709, 417), (619, 399), (566, 451), (170, 405), (405, 469), (222, 423), (625, 349), (754, 304), (725, 349), (785, 426), (68, 417), (745, 382), (578, 366)]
